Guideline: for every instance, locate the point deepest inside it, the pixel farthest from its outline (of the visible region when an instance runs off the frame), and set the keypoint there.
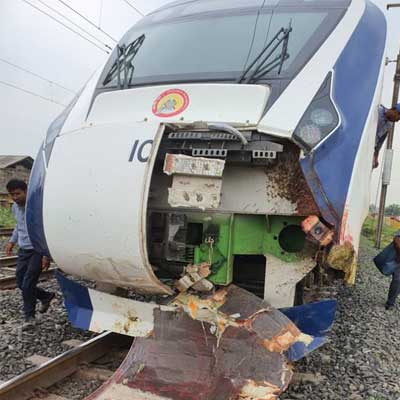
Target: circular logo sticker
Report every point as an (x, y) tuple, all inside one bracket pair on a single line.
[(170, 102)]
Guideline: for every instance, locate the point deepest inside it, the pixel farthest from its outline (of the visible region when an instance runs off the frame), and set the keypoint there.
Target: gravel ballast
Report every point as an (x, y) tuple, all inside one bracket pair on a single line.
[(73, 390), (45, 339), (362, 358), (360, 361)]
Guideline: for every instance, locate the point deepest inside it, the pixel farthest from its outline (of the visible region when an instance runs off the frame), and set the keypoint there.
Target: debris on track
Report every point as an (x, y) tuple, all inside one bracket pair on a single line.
[(360, 362)]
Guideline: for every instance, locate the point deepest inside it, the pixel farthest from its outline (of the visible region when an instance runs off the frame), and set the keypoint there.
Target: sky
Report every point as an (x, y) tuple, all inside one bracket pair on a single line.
[(35, 42)]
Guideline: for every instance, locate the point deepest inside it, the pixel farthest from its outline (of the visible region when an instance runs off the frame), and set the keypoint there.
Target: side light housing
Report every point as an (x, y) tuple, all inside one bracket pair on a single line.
[(320, 119)]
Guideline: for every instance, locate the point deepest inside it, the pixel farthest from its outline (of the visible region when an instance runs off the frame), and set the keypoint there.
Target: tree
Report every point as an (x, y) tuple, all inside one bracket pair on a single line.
[(373, 209), (393, 210)]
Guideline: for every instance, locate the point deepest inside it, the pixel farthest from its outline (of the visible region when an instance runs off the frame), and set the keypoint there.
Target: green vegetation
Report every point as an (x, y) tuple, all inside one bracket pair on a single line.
[(369, 228), (6, 218), (393, 209)]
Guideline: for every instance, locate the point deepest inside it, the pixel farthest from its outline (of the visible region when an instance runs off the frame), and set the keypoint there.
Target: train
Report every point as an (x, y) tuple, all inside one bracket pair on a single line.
[(235, 157)]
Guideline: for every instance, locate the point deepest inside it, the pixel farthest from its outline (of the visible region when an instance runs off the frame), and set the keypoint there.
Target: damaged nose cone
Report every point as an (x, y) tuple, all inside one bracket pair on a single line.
[(228, 345)]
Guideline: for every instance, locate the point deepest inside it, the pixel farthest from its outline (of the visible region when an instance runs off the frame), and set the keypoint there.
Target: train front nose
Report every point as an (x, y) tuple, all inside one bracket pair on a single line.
[(94, 204), (99, 176), (133, 200)]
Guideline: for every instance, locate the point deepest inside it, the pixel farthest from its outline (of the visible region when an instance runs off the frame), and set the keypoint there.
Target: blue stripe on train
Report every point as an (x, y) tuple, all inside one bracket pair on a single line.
[(77, 302), (314, 319), (34, 206), (355, 79)]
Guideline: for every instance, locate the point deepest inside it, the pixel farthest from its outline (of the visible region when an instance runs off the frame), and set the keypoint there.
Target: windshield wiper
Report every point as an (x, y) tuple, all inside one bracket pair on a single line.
[(123, 64), (119, 60), (266, 65)]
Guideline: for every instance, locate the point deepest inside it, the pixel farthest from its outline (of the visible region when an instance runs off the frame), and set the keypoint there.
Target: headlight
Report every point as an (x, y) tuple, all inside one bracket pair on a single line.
[(310, 134), (320, 118)]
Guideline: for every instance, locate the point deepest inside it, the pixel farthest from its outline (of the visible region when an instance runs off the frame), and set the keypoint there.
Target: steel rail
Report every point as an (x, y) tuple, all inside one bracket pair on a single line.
[(9, 282), (6, 231), (8, 261), (23, 386)]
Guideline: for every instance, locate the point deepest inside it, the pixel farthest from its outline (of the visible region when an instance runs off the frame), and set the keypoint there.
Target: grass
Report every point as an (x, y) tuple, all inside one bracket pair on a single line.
[(6, 217), (369, 228)]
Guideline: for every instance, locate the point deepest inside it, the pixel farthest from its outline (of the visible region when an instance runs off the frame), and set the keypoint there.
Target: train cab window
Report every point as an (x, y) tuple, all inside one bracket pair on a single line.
[(303, 24), (214, 46), (186, 48)]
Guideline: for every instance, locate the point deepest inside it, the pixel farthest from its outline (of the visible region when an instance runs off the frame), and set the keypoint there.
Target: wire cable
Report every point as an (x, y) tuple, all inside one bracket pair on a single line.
[(74, 24), (87, 20), (37, 75), (133, 7), (66, 26), (31, 93)]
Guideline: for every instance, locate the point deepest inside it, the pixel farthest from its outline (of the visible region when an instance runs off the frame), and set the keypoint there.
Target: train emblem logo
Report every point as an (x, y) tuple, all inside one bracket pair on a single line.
[(170, 102)]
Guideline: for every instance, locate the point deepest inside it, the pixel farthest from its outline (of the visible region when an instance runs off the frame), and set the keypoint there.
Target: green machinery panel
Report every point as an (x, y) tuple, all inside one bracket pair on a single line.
[(228, 235)]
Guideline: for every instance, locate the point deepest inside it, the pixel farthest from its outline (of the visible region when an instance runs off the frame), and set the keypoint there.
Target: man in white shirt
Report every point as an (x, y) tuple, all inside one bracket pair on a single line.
[(30, 263)]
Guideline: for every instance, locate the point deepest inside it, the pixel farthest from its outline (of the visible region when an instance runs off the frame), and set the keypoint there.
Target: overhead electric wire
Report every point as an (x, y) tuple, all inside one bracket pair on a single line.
[(130, 5), (32, 93), (66, 26), (74, 24), (37, 75), (87, 20)]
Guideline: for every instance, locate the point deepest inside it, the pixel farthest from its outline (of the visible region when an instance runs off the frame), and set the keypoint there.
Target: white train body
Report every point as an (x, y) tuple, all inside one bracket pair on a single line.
[(114, 211)]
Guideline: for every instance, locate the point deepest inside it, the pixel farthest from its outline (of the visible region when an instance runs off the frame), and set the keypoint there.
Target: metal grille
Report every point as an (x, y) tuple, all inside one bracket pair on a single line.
[(267, 154), (209, 152)]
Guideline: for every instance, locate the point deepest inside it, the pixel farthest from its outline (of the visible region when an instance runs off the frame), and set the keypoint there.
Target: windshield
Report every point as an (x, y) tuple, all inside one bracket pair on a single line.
[(216, 47)]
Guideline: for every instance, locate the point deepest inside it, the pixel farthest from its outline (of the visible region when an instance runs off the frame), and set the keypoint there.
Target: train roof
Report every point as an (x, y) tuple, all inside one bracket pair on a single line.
[(199, 6)]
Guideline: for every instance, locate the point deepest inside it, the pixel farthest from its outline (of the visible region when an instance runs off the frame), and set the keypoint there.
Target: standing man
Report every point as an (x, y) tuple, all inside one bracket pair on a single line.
[(385, 118), (30, 263), (394, 289)]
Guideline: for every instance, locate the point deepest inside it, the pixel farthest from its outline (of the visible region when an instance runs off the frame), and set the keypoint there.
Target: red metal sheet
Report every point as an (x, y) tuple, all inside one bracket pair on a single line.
[(232, 348)]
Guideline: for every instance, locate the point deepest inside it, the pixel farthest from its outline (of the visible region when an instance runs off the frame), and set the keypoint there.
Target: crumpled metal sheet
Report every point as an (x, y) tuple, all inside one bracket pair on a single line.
[(228, 345), (343, 257), (314, 319)]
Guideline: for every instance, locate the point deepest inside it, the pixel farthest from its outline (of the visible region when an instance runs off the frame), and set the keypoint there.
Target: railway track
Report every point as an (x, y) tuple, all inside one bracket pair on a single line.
[(75, 361), (7, 272), (6, 231), (8, 262)]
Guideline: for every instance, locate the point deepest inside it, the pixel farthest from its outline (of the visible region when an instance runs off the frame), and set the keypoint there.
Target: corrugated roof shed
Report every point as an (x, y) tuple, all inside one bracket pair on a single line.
[(9, 161)]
